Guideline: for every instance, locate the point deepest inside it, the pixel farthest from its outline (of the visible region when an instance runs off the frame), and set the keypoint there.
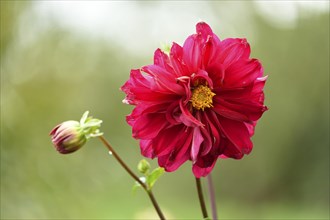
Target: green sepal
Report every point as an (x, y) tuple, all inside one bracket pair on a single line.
[(154, 176), (90, 126)]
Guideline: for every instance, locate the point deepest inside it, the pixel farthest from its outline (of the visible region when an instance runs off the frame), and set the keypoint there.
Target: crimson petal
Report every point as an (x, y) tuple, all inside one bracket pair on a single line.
[(232, 50), (242, 73), (148, 126), (237, 133)]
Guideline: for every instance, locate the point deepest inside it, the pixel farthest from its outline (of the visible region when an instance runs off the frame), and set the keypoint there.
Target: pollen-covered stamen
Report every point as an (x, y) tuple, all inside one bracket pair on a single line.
[(202, 97)]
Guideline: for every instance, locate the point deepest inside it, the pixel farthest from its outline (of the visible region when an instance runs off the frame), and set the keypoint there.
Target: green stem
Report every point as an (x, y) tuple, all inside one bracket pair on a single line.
[(130, 172), (201, 198)]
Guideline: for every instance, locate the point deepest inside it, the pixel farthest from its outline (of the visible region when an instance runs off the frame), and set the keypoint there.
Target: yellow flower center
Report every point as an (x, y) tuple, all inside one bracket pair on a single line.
[(202, 97)]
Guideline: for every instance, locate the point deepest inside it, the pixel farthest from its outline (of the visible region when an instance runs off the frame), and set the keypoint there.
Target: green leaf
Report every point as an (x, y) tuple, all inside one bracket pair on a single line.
[(154, 175), (137, 184)]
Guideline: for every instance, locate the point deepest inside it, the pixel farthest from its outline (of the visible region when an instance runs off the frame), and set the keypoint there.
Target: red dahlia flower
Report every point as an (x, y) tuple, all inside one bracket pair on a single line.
[(199, 102)]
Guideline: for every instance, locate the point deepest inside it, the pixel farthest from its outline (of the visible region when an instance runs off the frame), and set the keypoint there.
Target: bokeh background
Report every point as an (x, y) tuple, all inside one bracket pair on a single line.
[(60, 58)]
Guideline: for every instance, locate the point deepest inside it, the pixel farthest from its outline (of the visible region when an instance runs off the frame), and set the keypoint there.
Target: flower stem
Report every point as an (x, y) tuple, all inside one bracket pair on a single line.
[(130, 172), (201, 198), (212, 198)]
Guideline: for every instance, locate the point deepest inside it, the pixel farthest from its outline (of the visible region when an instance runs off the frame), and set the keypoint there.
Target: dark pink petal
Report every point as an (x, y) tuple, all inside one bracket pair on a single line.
[(165, 80), (161, 59), (232, 50), (179, 67), (251, 127), (222, 156), (208, 141), (252, 93), (204, 166), (177, 156), (242, 104), (206, 34), (214, 124), (148, 126), (242, 73), (222, 110), (141, 88), (196, 143), (144, 109), (192, 55), (172, 112), (200, 77), (231, 151), (187, 118), (240, 110), (234, 93), (168, 139), (257, 94), (204, 29), (184, 81), (216, 72), (202, 171), (209, 42), (171, 162), (146, 148), (237, 133), (209, 50)]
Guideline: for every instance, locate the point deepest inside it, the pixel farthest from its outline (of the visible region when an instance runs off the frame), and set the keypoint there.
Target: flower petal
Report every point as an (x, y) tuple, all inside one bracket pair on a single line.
[(208, 141), (242, 73), (240, 110), (204, 29), (168, 139), (163, 79), (161, 59), (231, 151), (237, 133), (204, 165), (196, 143), (214, 124), (140, 88), (146, 148), (176, 58), (148, 126), (177, 156), (192, 55), (216, 72), (222, 110), (187, 118), (200, 77), (232, 50)]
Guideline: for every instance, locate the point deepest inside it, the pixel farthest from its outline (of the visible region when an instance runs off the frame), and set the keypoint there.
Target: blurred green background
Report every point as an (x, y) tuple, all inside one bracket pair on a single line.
[(60, 58)]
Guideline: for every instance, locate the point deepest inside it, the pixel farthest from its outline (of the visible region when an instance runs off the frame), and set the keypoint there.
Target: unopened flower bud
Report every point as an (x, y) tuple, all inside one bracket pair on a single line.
[(70, 136), (143, 166)]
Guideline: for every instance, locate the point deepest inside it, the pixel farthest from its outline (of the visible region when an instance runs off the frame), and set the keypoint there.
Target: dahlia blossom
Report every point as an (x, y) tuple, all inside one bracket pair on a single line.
[(198, 102)]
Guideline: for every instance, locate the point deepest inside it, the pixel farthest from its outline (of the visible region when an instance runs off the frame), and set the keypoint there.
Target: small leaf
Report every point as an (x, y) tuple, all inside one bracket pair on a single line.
[(154, 175), (135, 187), (137, 184)]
